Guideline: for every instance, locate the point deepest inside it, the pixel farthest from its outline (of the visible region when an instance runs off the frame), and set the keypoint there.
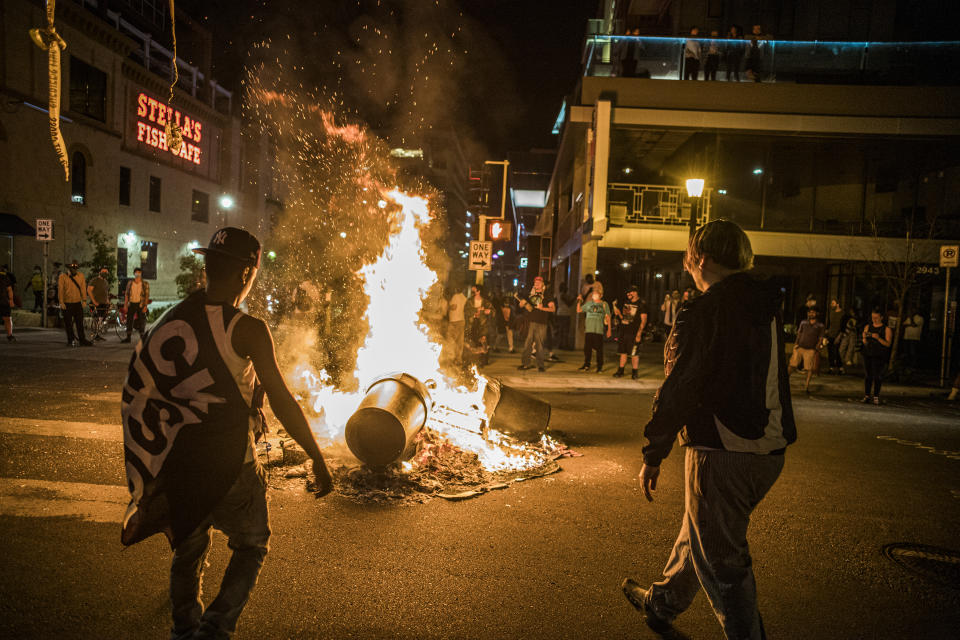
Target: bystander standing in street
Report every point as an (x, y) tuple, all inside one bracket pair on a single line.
[(668, 312), (810, 338), (849, 339), (135, 299), (734, 424), (912, 333), (507, 312), (632, 315), (456, 303), (691, 55), (72, 292), (207, 410), (564, 318), (99, 292), (596, 324), (877, 338), (835, 326), (6, 304), (36, 285), (540, 306)]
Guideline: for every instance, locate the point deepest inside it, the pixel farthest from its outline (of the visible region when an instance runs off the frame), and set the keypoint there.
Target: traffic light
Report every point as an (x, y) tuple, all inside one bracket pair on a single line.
[(498, 230)]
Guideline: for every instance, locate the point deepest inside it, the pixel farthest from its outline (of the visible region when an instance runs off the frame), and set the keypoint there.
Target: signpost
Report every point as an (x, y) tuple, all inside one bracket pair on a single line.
[(949, 258), (481, 256), (44, 235)]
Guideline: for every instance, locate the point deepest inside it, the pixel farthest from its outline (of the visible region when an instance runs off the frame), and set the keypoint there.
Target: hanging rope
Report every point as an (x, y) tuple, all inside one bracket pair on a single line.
[(172, 129), (49, 40)]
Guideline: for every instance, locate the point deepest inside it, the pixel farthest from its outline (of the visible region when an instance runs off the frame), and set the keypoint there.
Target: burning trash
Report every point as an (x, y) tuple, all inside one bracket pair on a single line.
[(422, 430)]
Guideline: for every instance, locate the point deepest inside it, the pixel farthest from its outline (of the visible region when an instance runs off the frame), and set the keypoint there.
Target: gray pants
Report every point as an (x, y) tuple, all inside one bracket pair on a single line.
[(536, 336), (242, 516), (721, 490)]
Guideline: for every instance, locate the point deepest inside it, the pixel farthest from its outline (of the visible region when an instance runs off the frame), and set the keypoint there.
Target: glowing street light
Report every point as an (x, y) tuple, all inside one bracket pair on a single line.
[(226, 201)]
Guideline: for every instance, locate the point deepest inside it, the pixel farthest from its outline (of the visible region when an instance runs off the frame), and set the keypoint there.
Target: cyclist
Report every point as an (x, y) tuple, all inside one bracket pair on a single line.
[(99, 290)]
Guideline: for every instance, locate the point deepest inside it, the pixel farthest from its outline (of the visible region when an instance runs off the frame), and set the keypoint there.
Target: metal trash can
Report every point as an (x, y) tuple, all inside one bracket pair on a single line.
[(383, 428)]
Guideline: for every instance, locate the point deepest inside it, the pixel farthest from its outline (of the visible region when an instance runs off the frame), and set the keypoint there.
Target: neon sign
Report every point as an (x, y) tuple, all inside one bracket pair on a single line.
[(153, 117)]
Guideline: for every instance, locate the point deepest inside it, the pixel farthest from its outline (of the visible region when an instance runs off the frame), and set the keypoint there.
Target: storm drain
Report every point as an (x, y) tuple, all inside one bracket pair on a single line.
[(933, 563)]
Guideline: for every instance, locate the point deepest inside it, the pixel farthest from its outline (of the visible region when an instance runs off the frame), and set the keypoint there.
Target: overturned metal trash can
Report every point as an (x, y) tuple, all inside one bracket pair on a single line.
[(514, 412), (383, 428)]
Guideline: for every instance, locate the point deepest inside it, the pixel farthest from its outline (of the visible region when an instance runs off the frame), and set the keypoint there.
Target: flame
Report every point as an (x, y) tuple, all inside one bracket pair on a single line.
[(396, 284)]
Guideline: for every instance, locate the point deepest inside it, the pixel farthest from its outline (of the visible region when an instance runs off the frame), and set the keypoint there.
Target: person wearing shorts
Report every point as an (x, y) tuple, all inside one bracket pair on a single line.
[(809, 336), (633, 320)]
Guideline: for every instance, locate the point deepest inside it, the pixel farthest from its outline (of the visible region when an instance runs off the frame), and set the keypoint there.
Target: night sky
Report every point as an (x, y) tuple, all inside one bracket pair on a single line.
[(495, 70)]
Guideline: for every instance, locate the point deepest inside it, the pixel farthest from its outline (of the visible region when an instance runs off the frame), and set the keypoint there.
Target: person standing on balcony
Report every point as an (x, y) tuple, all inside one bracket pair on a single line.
[(733, 53), (713, 56), (755, 54), (691, 56), (628, 61)]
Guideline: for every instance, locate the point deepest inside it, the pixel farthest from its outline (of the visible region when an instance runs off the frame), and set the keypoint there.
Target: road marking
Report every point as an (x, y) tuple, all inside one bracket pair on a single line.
[(950, 455), (63, 428), (45, 499)]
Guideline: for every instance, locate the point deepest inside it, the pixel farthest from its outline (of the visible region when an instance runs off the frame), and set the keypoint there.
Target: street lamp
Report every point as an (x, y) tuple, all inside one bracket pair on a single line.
[(694, 191)]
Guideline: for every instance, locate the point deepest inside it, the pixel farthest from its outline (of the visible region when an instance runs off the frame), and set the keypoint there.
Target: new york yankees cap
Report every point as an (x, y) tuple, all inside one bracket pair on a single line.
[(234, 243)]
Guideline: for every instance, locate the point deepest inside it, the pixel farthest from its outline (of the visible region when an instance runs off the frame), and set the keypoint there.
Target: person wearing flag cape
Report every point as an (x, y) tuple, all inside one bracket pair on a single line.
[(191, 411)]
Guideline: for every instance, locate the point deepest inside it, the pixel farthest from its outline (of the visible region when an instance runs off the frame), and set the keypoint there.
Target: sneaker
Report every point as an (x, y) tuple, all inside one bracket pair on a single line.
[(585, 367), (876, 400), (10, 338), (618, 374), (866, 400), (73, 343), (638, 597), (541, 369), (599, 369), (98, 338), (843, 371), (634, 375), (86, 343), (127, 339), (522, 367), (554, 358)]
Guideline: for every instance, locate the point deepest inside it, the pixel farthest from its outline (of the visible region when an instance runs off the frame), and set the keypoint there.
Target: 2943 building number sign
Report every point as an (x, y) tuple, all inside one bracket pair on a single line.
[(152, 118)]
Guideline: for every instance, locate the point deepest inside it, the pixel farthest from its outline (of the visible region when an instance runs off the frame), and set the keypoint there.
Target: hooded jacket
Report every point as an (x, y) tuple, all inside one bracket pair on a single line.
[(726, 383)]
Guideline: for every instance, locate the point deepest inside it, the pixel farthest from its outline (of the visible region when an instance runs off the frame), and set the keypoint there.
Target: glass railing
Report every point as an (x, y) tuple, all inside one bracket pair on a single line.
[(881, 63)]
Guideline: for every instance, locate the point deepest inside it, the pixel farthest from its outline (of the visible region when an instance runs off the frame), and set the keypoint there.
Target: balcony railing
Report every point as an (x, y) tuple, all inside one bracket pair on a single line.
[(159, 60), (632, 204), (880, 63)]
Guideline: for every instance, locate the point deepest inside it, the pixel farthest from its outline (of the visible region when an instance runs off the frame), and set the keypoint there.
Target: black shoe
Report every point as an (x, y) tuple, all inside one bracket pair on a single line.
[(98, 338), (585, 367), (638, 598), (599, 369), (127, 339), (10, 338), (866, 399), (554, 358), (634, 375), (522, 367), (618, 373), (86, 343), (541, 369)]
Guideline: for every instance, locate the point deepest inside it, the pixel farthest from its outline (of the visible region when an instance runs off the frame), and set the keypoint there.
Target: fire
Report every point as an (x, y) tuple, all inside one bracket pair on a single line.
[(395, 284)]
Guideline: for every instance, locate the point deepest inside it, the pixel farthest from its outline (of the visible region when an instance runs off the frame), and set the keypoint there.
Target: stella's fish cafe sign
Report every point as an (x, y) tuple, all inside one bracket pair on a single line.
[(152, 119)]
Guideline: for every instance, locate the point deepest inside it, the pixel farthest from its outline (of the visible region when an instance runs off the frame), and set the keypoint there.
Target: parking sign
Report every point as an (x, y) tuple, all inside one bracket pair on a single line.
[(949, 254)]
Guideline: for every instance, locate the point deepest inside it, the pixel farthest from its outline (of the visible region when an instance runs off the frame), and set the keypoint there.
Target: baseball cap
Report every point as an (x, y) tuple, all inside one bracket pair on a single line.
[(235, 243), (74, 263)]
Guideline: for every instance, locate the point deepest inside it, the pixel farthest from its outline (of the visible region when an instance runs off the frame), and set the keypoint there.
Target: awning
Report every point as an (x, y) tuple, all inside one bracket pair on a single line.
[(12, 225)]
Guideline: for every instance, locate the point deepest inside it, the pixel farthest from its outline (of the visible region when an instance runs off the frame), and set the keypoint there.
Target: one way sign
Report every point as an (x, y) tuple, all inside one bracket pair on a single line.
[(481, 256)]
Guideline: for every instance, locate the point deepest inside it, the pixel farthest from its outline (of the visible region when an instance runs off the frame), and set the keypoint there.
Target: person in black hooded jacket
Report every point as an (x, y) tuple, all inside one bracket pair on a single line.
[(727, 396)]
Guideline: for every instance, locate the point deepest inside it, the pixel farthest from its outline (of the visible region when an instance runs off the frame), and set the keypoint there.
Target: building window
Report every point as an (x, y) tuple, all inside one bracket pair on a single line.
[(148, 260), (125, 186), (200, 209), (88, 90), (78, 178), (156, 185)]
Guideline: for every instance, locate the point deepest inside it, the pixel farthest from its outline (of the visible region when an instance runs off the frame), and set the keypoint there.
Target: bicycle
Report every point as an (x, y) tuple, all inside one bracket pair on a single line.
[(97, 325)]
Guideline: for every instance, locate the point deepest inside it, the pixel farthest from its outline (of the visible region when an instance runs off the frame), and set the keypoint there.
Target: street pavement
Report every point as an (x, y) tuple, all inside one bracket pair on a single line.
[(539, 559)]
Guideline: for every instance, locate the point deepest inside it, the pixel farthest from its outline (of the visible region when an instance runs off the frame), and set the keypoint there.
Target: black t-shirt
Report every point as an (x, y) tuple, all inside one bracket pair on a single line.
[(630, 314), (4, 296), (539, 315)]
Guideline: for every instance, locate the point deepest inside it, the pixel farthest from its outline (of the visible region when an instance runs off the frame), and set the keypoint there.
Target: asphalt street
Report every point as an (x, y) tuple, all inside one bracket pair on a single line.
[(539, 559)]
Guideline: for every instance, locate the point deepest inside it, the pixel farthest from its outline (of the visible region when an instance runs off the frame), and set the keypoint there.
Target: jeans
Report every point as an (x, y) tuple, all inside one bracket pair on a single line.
[(833, 350), (242, 516), (691, 68), (73, 321), (136, 319), (593, 342), (873, 374), (536, 338), (721, 490)]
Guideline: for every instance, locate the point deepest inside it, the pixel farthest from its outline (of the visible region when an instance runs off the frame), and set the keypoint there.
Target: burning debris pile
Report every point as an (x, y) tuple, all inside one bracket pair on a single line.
[(419, 431)]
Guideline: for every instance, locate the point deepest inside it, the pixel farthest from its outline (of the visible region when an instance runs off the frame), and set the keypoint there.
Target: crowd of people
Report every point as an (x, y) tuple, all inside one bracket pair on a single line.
[(733, 53), (69, 297)]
